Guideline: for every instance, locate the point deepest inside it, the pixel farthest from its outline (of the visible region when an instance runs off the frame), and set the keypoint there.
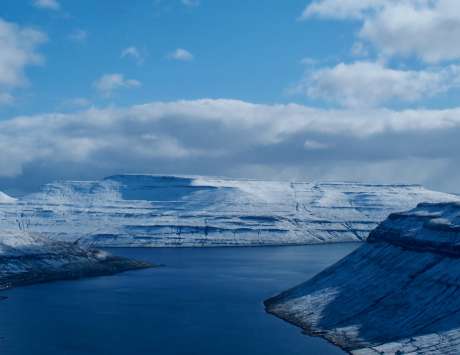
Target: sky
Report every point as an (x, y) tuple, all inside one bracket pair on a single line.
[(362, 90)]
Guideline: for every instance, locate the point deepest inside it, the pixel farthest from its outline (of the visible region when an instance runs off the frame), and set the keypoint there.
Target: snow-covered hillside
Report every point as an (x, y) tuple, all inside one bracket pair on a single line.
[(154, 211), (4, 198), (26, 259), (397, 294)]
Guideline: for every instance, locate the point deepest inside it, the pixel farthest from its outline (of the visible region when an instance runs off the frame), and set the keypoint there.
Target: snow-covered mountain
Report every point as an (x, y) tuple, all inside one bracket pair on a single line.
[(4, 198), (397, 294), (26, 259), (154, 211)]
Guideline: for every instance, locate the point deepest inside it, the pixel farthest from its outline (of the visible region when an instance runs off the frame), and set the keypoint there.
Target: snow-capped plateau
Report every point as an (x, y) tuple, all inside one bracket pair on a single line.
[(180, 211), (399, 293)]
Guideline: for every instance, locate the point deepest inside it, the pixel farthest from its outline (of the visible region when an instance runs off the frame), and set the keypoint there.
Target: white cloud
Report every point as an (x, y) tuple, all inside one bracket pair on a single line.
[(108, 83), (427, 29), (342, 9), (18, 51), (364, 84), (134, 53), (78, 35), (181, 55), (200, 136), (47, 4)]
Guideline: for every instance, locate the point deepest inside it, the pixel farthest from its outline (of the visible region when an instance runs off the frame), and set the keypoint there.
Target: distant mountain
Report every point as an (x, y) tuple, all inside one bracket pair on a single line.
[(397, 294), (27, 258), (158, 211)]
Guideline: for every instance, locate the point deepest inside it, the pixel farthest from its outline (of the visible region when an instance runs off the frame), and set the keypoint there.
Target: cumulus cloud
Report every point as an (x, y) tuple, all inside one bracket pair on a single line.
[(371, 83), (47, 4), (133, 53), (18, 51), (427, 29), (199, 137), (108, 83), (181, 55)]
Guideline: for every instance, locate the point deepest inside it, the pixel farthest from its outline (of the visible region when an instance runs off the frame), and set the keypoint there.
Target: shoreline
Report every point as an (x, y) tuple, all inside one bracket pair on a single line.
[(305, 331), (72, 271), (275, 245)]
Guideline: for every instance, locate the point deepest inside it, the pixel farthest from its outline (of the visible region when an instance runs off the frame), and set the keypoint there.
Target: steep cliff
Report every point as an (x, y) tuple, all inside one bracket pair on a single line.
[(398, 293)]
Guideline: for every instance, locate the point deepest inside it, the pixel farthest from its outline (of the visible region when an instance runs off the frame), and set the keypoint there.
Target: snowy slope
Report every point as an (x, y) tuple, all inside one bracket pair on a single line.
[(4, 198), (398, 293), (28, 258), (154, 211)]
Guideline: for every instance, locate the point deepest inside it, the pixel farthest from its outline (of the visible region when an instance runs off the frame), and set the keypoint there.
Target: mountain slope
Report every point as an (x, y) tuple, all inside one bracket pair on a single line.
[(25, 259), (398, 293), (153, 211), (4, 198)]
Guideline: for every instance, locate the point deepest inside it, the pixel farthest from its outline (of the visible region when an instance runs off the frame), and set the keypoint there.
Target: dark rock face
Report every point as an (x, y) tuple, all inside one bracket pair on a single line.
[(398, 293)]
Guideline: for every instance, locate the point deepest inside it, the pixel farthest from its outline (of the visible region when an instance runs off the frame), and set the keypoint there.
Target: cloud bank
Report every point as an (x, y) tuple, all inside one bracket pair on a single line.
[(236, 138)]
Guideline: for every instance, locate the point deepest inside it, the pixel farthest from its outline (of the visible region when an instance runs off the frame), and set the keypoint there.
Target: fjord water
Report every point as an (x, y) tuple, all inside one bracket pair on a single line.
[(203, 301)]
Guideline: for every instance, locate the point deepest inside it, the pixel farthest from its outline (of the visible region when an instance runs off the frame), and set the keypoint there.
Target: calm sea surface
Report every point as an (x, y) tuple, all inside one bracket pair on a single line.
[(202, 302)]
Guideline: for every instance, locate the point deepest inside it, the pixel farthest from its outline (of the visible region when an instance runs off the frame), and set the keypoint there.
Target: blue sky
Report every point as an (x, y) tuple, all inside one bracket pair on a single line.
[(242, 50), (326, 89)]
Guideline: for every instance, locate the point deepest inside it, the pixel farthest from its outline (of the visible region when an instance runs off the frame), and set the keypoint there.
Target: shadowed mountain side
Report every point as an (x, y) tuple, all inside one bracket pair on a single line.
[(398, 292)]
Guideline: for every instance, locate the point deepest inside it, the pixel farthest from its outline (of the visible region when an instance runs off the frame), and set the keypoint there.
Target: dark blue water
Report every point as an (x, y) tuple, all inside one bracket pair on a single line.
[(204, 302)]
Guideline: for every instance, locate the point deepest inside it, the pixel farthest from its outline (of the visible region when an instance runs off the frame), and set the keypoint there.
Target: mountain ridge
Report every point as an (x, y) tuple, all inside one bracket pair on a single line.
[(181, 211)]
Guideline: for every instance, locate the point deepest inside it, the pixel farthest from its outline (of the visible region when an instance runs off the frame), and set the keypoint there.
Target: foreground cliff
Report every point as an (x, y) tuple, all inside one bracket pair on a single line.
[(26, 258), (157, 211), (398, 293)]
